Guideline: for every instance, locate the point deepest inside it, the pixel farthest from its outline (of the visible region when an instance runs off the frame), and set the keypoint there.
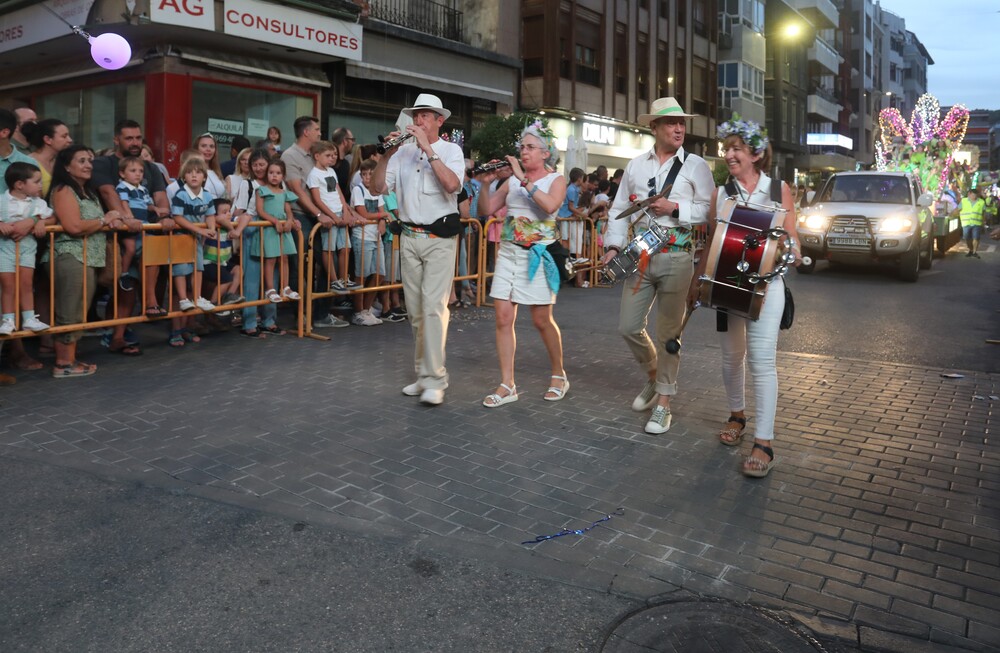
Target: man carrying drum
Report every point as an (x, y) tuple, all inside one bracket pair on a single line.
[(689, 186)]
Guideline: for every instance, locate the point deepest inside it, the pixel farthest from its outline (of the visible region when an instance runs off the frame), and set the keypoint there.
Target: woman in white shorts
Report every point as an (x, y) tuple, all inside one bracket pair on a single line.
[(525, 272)]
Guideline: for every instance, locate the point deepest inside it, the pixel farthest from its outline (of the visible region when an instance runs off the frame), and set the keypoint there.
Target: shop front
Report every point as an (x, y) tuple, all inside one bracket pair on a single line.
[(227, 68), (588, 142)]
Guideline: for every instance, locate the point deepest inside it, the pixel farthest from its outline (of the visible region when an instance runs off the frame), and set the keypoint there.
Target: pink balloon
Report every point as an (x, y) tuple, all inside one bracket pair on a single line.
[(110, 51)]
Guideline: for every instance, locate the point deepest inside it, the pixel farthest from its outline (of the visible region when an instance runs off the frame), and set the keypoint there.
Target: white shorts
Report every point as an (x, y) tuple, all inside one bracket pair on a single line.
[(510, 278)]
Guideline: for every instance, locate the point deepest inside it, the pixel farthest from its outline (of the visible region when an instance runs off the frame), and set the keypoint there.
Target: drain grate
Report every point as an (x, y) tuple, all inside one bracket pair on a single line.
[(707, 626)]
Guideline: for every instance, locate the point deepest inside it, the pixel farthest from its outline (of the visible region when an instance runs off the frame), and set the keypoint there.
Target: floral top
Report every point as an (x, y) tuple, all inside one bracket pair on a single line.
[(526, 222), (90, 209)]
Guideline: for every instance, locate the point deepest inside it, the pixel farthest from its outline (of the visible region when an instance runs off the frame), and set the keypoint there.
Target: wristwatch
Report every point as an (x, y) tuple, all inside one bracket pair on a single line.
[(433, 157)]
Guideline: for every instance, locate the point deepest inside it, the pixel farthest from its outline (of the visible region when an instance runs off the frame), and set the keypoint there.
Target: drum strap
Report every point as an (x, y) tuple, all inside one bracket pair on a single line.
[(721, 315), (675, 169)]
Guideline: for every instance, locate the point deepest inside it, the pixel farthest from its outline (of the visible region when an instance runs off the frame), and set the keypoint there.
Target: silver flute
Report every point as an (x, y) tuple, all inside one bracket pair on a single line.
[(489, 167)]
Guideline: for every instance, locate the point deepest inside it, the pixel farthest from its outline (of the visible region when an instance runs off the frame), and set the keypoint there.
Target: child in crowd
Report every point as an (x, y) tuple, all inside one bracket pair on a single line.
[(366, 242), (329, 199), (222, 263), (599, 211), (274, 138), (131, 191), (274, 205), (193, 209), (21, 202)]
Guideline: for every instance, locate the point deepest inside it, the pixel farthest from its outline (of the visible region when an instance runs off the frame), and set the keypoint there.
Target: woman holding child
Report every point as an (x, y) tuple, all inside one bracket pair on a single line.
[(525, 271), (79, 250)]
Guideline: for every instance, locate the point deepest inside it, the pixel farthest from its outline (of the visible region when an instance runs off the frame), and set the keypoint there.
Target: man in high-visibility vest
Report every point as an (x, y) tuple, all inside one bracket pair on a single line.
[(971, 213)]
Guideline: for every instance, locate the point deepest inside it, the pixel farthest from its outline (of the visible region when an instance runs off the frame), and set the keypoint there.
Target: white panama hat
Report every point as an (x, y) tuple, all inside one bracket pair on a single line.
[(428, 102)]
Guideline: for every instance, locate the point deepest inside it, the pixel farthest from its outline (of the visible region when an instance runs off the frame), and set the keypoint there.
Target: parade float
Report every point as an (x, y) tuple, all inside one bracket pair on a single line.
[(930, 147)]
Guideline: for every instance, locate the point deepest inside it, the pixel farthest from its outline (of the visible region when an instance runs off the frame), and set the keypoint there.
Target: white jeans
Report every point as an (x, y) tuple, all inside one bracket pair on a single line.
[(757, 343)]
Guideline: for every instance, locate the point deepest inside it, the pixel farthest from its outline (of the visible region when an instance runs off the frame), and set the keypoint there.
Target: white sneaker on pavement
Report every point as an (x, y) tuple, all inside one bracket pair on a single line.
[(432, 396), (413, 390), (659, 421), (646, 398)]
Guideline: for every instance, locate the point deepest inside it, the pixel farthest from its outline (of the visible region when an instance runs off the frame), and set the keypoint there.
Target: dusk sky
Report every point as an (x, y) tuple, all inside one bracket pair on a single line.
[(963, 38)]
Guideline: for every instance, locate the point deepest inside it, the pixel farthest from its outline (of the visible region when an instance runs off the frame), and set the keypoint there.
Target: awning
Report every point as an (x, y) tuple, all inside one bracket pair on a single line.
[(380, 73), (298, 74)]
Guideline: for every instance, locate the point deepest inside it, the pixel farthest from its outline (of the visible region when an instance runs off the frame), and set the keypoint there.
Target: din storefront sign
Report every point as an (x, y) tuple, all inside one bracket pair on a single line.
[(593, 133)]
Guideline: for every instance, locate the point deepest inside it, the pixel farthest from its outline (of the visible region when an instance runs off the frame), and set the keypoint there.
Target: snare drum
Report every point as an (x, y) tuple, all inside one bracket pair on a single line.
[(740, 255), (627, 261)]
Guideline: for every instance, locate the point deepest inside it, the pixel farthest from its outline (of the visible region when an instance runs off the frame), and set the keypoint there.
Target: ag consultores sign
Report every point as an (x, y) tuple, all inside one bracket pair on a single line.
[(292, 28)]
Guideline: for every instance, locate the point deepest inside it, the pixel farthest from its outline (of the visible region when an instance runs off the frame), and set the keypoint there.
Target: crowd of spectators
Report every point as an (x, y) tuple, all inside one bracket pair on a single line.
[(102, 198)]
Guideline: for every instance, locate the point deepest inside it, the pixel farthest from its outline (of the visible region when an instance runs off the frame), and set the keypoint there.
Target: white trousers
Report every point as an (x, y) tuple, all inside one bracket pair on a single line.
[(756, 343)]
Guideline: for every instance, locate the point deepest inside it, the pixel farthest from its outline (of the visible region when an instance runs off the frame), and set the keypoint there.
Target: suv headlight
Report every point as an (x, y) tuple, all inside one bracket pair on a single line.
[(814, 222), (895, 225)]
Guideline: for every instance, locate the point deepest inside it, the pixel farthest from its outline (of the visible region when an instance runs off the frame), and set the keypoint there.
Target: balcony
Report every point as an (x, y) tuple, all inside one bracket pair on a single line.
[(821, 13), (824, 57), (421, 15), (820, 104)]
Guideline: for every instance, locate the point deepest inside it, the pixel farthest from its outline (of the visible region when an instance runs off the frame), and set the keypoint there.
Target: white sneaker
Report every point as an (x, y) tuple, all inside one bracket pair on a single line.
[(185, 304), (645, 399), (432, 396), (290, 294), (204, 304), (364, 318), (330, 322), (659, 421), (7, 326), (34, 324), (372, 319), (375, 311), (413, 390)]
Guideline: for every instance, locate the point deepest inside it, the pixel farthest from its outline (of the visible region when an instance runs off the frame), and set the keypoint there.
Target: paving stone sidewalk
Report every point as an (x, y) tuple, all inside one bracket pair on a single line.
[(879, 524)]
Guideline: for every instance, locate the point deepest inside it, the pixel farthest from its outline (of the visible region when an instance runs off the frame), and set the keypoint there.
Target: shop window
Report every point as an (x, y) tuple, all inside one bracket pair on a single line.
[(91, 113), (228, 111)]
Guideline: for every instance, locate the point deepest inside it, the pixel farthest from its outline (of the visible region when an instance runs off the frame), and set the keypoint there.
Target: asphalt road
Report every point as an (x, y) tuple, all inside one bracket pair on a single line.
[(867, 313)]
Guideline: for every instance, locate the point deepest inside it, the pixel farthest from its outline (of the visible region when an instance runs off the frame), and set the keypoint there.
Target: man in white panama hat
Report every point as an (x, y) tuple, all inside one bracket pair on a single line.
[(426, 174), (668, 275)]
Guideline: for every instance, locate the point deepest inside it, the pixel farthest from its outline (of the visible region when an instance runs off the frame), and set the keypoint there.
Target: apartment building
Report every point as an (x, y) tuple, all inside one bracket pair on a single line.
[(592, 66)]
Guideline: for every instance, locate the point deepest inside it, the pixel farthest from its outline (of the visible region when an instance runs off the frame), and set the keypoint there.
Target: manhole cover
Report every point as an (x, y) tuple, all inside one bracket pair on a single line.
[(706, 626)]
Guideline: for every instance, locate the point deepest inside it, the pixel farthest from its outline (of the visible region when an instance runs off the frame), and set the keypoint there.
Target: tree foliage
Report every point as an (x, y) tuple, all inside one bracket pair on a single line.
[(498, 136)]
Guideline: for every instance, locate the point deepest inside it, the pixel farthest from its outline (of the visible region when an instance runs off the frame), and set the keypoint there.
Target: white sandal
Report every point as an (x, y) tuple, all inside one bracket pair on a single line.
[(494, 400), (273, 296), (558, 392)]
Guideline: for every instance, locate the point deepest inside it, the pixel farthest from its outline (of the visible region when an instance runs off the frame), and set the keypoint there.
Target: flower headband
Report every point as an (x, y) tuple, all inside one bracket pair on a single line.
[(748, 130), (542, 132)]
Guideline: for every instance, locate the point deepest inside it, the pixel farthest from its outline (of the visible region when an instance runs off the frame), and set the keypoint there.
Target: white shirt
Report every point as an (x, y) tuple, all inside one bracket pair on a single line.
[(13, 209), (761, 195), (692, 191), (361, 197), (326, 182), (246, 198), (215, 186), (421, 198)]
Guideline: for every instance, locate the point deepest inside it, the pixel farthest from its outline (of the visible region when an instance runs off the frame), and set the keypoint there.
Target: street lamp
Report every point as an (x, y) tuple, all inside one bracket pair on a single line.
[(792, 31)]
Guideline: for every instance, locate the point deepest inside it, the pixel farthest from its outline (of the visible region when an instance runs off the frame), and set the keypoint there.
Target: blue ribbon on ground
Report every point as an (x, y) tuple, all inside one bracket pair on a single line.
[(579, 531), (538, 253)]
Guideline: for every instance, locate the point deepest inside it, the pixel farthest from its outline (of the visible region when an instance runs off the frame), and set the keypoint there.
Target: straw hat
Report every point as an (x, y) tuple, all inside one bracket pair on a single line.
[(428, 102), (664, 107)]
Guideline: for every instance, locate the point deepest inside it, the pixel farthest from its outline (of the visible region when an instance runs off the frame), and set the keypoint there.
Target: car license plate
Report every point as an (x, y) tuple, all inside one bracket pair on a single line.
[(860, 242)]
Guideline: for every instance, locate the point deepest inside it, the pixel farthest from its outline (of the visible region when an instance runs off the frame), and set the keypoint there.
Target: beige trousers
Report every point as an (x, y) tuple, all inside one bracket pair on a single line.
[(428, 267), (667, 280)]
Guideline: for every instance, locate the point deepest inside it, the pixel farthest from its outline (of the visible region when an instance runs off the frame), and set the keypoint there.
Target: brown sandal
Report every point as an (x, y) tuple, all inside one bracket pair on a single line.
[(732, 436)]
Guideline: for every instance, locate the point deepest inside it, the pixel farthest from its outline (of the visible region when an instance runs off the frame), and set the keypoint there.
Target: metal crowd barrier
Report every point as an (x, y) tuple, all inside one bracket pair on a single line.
[(159, 248)]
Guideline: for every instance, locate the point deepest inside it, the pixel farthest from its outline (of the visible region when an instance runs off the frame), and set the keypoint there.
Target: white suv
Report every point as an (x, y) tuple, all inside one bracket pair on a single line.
[(865, 217)]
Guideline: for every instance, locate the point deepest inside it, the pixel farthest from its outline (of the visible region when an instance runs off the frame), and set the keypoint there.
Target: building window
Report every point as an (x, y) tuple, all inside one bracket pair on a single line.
[(91, 113), (682, 13), (534, 46), (642, 67), (680, 79), (699, 18), (700, 84), (621, 59), (662, 69), (587, 52)]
